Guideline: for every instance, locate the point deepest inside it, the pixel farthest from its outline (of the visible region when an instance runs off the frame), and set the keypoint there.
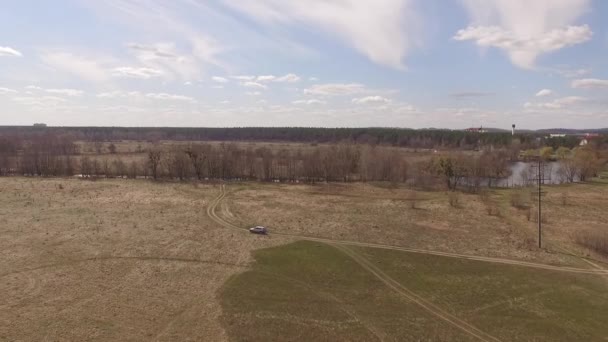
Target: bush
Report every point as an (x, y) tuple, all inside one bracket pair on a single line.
[(564, 198), (454, 199), (597, 242), (413, 199), (533, 216), (493, 209), (520, 199)]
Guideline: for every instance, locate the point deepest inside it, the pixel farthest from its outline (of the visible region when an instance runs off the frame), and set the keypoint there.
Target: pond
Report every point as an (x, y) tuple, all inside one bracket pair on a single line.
[(524, 173)]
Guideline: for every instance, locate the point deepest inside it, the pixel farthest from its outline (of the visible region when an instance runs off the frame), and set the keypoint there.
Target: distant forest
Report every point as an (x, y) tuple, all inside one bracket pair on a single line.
[(422, 138)]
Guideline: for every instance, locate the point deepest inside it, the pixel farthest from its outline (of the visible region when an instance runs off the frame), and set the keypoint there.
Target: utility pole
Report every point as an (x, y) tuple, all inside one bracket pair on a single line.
[(540, 217), (540, 178)]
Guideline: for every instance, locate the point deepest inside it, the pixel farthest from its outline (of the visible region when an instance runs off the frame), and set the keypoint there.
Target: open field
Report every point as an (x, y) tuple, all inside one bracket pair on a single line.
[(138, 260), (113, 260), (368, 213), (310, 290)]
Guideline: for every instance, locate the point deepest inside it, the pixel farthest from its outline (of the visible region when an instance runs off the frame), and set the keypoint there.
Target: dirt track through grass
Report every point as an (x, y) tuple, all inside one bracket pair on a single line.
[(415, 298), (211, 211)]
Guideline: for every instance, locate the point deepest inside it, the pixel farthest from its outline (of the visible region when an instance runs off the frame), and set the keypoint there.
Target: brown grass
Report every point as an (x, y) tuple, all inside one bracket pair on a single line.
[(113, 260), (363, 212), (594, 241)]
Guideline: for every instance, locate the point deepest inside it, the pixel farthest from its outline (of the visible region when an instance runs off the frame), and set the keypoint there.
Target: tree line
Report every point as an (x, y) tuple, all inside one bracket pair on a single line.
[(58, 155), (422, 138)]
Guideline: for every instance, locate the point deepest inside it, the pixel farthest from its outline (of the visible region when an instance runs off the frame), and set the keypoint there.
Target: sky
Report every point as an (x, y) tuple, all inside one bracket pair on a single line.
[(322, 63)]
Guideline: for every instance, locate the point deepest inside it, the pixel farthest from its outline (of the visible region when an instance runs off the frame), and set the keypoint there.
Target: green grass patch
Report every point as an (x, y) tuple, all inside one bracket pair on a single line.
[(310, 291), (510, 302)]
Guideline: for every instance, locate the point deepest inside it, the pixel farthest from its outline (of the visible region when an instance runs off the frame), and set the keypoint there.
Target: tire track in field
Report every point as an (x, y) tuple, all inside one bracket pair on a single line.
[(328, 296), (589, 262), (211, 212), (415, 298), (136, 258)]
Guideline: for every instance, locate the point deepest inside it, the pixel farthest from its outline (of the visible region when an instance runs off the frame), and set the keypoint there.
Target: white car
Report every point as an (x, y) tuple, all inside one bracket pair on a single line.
[(258, 230)]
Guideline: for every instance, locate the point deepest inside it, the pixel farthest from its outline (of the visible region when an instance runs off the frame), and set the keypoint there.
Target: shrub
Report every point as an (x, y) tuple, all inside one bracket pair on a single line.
[(564, 198), (533, 216), (597, 242), (413, 199), (454, 199), (492, 208), (520, 199)]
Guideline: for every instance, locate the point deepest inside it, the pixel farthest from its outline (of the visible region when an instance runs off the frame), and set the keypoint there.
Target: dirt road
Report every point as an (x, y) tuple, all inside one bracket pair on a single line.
[(211, 211)]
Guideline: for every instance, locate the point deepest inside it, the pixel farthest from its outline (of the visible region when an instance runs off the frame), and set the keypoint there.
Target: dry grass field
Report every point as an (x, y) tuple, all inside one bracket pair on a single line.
[(369, 213), (138, 260), (113, 260)]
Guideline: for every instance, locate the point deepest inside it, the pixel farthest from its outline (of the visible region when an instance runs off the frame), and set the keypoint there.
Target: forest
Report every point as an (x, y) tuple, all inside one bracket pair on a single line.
[(50, 154), (423, 138)]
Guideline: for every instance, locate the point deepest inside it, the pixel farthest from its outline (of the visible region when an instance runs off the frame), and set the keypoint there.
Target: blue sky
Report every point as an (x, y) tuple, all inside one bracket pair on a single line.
[(345, 63)]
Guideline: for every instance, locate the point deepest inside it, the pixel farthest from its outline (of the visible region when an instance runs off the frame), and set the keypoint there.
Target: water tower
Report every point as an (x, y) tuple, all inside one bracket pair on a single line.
[(513, 129)]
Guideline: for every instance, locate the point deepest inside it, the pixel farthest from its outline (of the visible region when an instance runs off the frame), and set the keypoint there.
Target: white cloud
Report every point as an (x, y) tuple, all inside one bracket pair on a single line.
[(524, 51), (469, 94), (217, 87), (243, 78), (590, 83), (253, 93), (4, 91), (371, 100), (39, 101), (143, 73), (265, 78), (570, 73), (250, 84), (560, 103), (192, 48), (118, 94), (6, 51), (289, 78), (157, 51), (86, 68), (219, 79), (309, 102), (169, 97), (382, 30), (525, 29), (335, 89), (225, 102), (169, 61), (544, 92), (66, 92), (313, 79), (60, 91)]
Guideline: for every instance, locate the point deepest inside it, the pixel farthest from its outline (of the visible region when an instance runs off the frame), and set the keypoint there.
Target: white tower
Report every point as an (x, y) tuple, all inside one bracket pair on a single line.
[(513, 129)]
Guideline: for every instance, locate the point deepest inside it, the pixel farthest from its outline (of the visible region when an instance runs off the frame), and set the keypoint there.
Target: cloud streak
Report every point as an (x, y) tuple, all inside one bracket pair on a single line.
[(6, 51)]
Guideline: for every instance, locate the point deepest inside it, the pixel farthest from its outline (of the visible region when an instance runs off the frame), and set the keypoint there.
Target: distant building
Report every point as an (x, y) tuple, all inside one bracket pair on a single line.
[(475, 130), (39, 125), (552, 135), (588, 137)]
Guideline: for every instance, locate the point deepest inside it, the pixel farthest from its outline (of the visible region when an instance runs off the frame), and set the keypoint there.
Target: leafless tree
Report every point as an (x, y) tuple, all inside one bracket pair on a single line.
[(154, 159)]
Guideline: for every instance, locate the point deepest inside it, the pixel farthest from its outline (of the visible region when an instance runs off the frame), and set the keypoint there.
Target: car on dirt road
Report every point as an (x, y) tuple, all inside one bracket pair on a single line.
[(258, 230)]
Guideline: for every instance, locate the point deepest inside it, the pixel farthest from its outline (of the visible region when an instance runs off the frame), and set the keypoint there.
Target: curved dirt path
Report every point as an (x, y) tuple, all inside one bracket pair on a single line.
[(211, 212), (415, 298), (379, 274)]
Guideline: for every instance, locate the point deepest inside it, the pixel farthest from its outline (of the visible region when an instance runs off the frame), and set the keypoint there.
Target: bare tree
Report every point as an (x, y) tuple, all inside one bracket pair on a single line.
[(178, 164), (197, 159), (154, 158)]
